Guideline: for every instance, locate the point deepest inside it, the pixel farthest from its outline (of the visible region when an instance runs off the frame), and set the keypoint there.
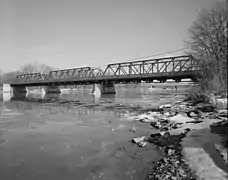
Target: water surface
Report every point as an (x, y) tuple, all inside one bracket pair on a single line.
[(77, 136)]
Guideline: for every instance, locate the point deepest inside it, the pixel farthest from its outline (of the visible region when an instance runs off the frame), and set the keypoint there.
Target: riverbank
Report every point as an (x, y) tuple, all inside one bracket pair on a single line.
[(185, 156)]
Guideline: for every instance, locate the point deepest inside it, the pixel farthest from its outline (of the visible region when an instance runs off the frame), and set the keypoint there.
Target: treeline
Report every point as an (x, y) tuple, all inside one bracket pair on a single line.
[(10, 77)]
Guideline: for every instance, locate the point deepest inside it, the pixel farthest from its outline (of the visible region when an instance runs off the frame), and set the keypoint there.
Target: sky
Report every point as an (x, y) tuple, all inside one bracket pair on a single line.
[(76, 33)]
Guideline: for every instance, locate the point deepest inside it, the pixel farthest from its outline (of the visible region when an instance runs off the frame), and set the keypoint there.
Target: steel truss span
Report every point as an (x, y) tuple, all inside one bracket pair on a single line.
[(176, 68)]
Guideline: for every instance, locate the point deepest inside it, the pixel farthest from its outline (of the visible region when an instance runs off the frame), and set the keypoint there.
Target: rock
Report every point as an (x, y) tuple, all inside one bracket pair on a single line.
[(164, 128), (187, 130), (174, 126), (166, 114), (181, 106), (155, 125), (180, 119), (165, 106), (222, 113), (133, 129), (148, 120), (173, 113), (165, 134), (205, 107), (195, 122), (141, 116), (142, 144), (156, 135), (170, 152), (154, 114), (163, 121), (140, 141), (193, 114)]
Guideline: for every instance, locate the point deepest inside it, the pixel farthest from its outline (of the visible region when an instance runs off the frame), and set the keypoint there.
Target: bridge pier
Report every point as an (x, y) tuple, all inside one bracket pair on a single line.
[(51, 89), (108, 88), (162, 80)]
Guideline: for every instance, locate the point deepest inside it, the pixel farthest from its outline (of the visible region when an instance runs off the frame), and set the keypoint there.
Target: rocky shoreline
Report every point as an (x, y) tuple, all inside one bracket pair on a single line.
[(173, 165), (172, 123)]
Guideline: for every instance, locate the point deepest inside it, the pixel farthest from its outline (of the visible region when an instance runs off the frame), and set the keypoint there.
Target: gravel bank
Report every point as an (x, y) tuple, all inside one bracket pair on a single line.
[(175, 125)]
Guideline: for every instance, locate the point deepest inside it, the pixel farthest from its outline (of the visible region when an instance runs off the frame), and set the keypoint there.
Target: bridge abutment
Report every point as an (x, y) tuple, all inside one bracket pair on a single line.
[(108, 88), (6, 88), (51, 89)]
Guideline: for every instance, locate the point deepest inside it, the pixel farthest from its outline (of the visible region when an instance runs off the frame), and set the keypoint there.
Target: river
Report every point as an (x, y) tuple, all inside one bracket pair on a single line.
[(77, 136)]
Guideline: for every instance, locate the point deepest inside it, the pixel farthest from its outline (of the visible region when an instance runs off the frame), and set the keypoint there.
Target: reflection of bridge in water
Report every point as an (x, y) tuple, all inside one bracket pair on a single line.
[(78, 108), (61, 98)]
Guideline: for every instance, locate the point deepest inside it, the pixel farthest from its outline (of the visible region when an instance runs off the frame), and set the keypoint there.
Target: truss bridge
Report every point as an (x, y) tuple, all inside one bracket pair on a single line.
[(162, 69)]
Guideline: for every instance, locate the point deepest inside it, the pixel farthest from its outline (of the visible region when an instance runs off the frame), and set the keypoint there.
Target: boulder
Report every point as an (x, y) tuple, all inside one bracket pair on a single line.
[(180, 119)]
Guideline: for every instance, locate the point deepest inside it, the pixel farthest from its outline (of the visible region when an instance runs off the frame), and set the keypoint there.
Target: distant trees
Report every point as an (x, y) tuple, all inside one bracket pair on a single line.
[(35, 67), (27, 69), (208, 43), (9, 77)]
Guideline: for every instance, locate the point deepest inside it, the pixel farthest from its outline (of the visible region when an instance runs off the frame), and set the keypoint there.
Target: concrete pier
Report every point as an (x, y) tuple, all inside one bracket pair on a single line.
[(104, 88)]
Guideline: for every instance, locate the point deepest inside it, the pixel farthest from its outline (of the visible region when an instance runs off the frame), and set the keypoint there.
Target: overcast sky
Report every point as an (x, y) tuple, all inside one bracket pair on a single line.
[(74, 33)]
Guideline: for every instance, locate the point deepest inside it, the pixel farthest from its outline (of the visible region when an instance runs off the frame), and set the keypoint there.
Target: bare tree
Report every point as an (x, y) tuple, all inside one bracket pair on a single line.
[(208, 43)]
